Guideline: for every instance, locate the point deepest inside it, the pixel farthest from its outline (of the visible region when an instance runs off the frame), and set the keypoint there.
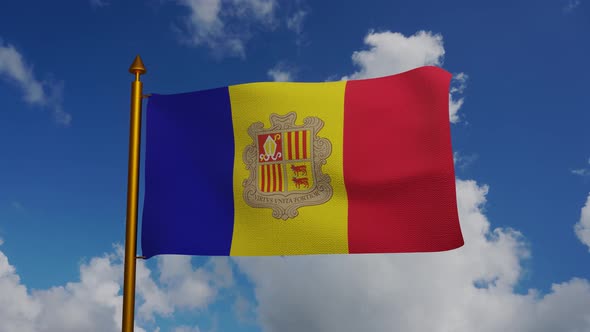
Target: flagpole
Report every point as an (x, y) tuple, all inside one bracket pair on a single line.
[(137, 68)]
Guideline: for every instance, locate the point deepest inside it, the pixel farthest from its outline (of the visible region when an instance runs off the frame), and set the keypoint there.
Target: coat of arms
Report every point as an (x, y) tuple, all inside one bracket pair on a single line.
[(285, 163)]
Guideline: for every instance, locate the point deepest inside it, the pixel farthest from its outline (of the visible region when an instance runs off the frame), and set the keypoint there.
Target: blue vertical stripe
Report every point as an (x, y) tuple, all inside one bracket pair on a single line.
[(188, 203)]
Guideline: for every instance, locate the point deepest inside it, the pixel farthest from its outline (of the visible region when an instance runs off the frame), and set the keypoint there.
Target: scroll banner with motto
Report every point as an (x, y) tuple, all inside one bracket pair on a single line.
[(276, 168)]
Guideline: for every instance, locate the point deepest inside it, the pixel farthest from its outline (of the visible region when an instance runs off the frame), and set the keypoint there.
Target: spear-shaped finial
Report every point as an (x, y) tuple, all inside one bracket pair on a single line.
[(137, 66)]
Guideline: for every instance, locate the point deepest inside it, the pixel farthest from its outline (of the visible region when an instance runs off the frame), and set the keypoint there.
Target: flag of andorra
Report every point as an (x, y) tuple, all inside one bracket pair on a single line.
[(360, 166)]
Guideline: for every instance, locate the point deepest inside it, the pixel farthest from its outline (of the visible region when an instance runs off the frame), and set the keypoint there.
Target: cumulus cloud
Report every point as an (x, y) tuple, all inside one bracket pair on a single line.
[(392, 53), (17, 308), (187, 287), (14, 69), (208, 23), (582, 228), (94, 302), (281, 73), (468, 289), (91, 304), (180, 285)]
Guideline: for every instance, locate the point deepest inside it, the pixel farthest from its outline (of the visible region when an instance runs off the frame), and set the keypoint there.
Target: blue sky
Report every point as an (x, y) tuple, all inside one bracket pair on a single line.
[(519, 111)]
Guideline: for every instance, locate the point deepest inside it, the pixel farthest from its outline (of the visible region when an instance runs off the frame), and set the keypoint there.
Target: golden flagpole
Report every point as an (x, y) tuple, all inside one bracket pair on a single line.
[(137, 68)]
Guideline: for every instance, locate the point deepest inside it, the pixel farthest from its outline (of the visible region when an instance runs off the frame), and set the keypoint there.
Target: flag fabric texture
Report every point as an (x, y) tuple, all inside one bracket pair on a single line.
[(279, 168)]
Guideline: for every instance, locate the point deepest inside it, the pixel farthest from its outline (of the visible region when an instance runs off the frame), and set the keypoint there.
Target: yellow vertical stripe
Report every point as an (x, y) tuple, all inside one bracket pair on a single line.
[(292, 145), (319, 228), (259, 177), (308, 134), (299, 147)]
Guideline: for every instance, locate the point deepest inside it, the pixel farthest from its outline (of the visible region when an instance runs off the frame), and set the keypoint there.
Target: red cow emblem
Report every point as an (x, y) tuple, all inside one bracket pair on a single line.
[(301, 182), (299, 170)]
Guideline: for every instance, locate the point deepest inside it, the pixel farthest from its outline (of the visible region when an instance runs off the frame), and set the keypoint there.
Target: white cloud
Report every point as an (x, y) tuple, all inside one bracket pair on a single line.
[(223, 25), (295, 22), (13, 68), (205, 27), (391, 53), (94, 302), (155, 299), (280, 75), (461, 80), (582, 228), (262, 10), (458, 85), (463, 161), (582, 171), (571, 5), (17, 308), (468, 289), (186, 287), (181, 285), (282, 72)]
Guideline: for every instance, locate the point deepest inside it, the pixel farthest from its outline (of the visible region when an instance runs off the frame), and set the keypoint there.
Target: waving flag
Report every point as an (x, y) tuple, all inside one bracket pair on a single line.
[(361, 166)]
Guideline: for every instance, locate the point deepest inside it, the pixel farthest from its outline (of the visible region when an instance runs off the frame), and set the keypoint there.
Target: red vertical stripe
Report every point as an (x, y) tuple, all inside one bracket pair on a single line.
[(296, 145), (280, 177), (274, 177), (289, 137), (398, 164), (262, 177), (305, 144)]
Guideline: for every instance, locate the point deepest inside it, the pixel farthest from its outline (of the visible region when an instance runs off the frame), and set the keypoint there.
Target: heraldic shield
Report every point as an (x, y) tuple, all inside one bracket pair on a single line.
[(285, 163)]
